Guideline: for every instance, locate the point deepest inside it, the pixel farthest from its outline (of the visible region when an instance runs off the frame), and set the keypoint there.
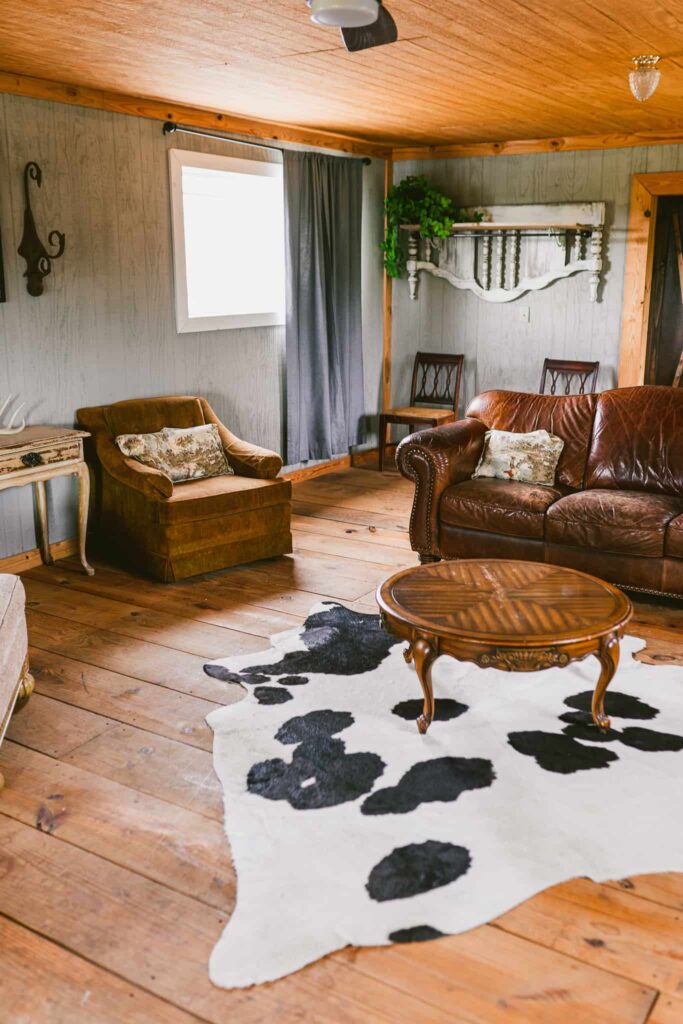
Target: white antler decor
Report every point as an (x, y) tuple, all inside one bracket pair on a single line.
[(10, 428)]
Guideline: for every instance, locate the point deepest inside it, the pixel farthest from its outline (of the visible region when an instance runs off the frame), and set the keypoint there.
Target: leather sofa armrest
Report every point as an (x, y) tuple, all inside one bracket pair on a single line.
[(150, 482), (434, 459), (246, 459)]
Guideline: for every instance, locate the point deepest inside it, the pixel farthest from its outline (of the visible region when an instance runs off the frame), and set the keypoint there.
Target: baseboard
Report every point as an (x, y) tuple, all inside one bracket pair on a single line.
[(370, 455), (30, 559), (363, 458)]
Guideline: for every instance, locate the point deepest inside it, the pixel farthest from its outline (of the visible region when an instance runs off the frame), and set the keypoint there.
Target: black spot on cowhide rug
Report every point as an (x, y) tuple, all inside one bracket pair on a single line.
[(348, 825)]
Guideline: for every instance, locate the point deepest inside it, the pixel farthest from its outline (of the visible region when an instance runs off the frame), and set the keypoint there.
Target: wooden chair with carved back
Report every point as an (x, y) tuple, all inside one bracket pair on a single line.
[(563, 375), (434, 396)]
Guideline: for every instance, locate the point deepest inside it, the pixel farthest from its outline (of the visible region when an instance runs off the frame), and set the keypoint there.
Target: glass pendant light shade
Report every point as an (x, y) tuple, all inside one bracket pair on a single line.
[(644, 78), (344, 13)]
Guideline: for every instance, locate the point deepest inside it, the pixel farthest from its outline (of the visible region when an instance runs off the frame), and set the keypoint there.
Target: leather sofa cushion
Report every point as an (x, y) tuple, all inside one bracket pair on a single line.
[(673, 543), (218, 496), (569, 417), (638, 441), (498, 506), (619, 521)]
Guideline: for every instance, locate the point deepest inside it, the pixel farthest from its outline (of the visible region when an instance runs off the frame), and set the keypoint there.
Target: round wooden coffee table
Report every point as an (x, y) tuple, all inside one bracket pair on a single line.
[(498, 613)]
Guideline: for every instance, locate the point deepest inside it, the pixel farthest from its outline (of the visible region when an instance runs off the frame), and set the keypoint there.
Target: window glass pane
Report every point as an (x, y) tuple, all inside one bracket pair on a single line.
[(234, 242)]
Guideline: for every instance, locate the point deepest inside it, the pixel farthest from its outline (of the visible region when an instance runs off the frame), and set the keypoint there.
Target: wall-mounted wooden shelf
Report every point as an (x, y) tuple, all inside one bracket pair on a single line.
[(507, 226), (517, 249)]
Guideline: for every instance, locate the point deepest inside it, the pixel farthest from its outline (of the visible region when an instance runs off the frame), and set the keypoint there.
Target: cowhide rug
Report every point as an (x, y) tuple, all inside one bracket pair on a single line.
[(349, 828)]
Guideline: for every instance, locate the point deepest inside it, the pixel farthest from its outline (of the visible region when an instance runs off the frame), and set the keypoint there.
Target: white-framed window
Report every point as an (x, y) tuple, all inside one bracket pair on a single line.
[(228, 241)]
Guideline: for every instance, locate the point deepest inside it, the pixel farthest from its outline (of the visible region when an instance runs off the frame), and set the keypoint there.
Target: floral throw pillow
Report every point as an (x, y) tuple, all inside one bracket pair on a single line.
[(191, 453), (528, 458)]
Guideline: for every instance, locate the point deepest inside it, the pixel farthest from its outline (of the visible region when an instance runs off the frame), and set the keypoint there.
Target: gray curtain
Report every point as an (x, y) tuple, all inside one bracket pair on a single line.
[(323, 200)]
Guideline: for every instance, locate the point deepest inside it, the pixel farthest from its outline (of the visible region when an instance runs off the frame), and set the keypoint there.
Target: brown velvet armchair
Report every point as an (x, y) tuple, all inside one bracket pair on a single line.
[(171, 531)]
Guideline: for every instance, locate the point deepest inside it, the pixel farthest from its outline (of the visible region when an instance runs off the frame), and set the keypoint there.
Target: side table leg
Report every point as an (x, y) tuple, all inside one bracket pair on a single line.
[(424, 656), (41, 506), (608, 656), (83, 502)]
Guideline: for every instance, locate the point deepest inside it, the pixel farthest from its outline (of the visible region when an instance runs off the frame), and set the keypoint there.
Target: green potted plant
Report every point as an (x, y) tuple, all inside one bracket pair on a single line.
[(415, 201)]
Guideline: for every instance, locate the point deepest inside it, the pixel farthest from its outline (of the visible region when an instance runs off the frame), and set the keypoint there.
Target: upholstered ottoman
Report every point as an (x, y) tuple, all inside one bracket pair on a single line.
[(16, 683)]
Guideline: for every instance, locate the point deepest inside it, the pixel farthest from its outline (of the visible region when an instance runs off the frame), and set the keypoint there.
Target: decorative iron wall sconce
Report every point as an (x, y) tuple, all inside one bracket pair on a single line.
[(38, 259)]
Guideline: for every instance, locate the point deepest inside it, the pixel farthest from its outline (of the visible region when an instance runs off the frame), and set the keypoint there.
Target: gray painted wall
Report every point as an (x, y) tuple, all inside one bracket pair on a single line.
[(104, 329), (500, 349)]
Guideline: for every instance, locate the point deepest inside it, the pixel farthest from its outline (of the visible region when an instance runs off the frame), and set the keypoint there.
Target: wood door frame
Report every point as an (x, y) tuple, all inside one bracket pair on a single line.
[(387, 300), (640, 246)]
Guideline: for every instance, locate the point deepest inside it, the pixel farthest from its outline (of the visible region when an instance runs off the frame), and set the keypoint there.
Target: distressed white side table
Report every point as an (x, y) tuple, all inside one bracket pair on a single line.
[(37, 454)]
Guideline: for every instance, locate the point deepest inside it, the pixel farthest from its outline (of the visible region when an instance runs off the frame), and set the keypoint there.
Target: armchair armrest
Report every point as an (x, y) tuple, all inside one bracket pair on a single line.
[(246, 459), (150, 482), (434, 459)]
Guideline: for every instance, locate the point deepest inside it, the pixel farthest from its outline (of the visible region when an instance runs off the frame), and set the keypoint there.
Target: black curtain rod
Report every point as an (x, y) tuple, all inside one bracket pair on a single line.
[(170, 127)]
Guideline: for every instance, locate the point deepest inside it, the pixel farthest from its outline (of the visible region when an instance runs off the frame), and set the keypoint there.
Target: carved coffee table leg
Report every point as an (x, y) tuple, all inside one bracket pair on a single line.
[(608, 656), (424, 656)]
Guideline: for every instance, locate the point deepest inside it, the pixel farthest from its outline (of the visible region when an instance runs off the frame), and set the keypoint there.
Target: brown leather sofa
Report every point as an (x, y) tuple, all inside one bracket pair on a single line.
[(172, 531), (616, 509)]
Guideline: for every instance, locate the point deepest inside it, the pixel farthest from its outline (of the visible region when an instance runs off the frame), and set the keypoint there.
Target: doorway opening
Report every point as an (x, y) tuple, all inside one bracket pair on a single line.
[(651, 329), (665, 320)]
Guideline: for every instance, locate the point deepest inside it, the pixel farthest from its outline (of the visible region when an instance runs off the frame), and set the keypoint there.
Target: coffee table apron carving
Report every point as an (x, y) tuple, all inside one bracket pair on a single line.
[(509, 615)]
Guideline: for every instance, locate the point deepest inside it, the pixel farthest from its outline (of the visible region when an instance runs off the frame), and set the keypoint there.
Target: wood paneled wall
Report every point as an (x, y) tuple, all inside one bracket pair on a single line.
[(105, 328), (501, 350)]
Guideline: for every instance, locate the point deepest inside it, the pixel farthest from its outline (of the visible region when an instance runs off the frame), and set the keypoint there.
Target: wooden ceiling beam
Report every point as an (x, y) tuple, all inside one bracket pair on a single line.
[(198, 117), (166, 110), (556, 145)]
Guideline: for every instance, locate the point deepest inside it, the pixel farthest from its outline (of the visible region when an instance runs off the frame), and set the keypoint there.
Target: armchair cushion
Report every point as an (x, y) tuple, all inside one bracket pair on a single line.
[(220, 495), (498, 506)]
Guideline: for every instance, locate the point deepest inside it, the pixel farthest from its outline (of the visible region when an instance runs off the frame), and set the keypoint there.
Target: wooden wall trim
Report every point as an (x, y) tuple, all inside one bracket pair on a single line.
[(214, 120), (640, 239), (166, 110), (30, 559), (359, 460), (297, 476), (556, 145), (387, 306)]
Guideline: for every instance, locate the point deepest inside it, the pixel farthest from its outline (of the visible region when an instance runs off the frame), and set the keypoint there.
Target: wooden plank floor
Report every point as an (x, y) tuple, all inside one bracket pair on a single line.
[(115, 874)]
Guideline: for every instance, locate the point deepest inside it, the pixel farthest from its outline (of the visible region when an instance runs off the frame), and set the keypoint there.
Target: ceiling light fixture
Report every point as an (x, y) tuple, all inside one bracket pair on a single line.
[(344, 13), (644, 78)]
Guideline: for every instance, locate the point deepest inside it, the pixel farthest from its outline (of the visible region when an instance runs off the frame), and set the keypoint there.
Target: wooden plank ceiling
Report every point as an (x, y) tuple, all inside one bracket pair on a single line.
[(462, 71)]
